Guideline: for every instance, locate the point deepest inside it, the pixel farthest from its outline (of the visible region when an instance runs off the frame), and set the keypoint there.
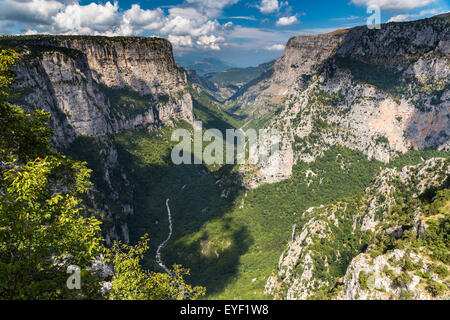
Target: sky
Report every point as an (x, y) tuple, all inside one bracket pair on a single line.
[(241, 33)]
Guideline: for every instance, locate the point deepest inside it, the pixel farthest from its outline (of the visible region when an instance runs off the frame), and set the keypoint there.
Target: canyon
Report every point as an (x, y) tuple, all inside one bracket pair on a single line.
[(364, 120)]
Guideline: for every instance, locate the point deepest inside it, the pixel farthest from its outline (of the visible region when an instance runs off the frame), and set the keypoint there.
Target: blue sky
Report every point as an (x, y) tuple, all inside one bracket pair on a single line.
[(239, 32)]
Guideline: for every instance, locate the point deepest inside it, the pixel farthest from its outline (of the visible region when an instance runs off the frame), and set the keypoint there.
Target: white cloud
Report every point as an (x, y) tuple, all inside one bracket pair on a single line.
[(409, 17), (146, 19), (269, 6), (394, 4), (287, 21), (211, 8), (349, 18), (276, 47), (31, 32), (213, 3), (243, 18), (89, 19)]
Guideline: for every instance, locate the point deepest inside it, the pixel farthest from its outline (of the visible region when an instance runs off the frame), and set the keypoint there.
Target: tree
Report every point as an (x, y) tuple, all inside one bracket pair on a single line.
[(23, 134)]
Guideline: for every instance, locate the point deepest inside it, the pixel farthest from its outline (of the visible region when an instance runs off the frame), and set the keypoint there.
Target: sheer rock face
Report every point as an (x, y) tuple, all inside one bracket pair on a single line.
[(64, 87), (382, 92), (69, 75)]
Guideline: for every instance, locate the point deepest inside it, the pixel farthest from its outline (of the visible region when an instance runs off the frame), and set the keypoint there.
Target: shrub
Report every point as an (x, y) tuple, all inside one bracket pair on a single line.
[(363, 276), (406, 295)]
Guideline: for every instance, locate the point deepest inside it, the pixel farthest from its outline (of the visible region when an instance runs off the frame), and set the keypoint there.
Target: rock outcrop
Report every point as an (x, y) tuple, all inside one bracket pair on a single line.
[(382, 92)]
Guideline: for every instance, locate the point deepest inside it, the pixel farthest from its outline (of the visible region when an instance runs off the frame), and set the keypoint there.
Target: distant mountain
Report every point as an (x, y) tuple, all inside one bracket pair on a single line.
[(238, 76), (205, 65)]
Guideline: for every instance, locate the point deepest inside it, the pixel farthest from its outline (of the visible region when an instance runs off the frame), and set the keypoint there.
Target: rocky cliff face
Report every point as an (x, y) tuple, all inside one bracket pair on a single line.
[(382, 92), (370, 247), (96, 87), (86, 82)]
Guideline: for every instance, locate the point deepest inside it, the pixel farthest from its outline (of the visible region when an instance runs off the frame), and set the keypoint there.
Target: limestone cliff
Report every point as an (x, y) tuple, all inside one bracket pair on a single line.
[(94, 88), (382, 92)]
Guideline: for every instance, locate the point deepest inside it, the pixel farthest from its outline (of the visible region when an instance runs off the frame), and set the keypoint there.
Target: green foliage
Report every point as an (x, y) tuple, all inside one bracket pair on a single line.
[(441, 270), (211, 114), (406, 295), (128, 103), (437, 240), (435, 288), (323, 98), (441, 204), (414, 157), (403, 280), (24, 134), (382, 140), (388, 272), (433, 241), (363, 276), (42, 229), (7, 58)]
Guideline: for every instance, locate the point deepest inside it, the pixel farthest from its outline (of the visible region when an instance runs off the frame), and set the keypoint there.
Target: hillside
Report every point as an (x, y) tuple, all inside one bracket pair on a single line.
[(230, 81), (238, 76)]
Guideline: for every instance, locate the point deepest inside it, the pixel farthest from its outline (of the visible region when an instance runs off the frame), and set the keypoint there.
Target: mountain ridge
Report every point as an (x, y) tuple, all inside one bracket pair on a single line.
[(382, 92)]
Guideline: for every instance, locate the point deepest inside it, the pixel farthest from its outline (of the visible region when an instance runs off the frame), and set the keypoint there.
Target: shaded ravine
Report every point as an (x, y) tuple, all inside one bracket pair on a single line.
[(162, 245)]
